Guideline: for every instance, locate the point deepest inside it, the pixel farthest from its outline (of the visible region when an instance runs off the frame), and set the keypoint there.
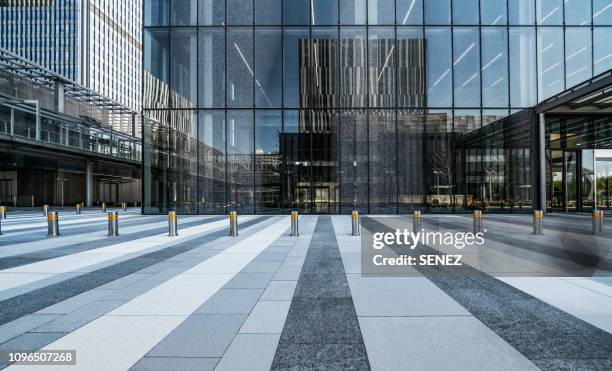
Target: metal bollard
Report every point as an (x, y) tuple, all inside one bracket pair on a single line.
[(78, 208), (416, 221), (172, 224), (124, 206), (295, 223), (82, 205), (356, 224), (53, 223), (103, 207), (0, 227), (538, 222), (598, 219), (233, 217), (46, 210), (113, 223), (477, 221), (2, 212)]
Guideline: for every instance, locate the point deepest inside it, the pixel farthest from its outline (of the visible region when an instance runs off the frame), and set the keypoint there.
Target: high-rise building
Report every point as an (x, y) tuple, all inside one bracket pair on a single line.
[(96, 43), (378, 105)]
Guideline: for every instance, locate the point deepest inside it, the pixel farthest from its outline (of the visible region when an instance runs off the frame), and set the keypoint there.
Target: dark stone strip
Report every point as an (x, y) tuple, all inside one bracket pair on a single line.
[(322, 330), (36, 256), (546, 335), (35, 300), (583, 257)]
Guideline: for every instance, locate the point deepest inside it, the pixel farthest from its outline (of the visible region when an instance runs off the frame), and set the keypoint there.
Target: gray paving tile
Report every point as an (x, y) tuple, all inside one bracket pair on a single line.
[(438, 343), (285, 273), (294, 261), (134, 290), (249, 281), (80, 317), (279, 249), (124, 282), (268, 317), (279, 290), (206, 335), (75, 302), (271, 256), (252, 352), (175, 364), (231, 301), (31, 341), (24, 324), (261, 267)]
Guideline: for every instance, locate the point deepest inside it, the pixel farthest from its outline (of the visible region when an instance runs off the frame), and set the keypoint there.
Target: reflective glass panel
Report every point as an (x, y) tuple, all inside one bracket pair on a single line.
[(578, 60), (268, 67), (411, 152), (211, 67), (324, 12), (493, 12), (381, 64), (465, 12), (183, 68), (521, 12), (321, 69), (494, 67), (550, 62), (411, 66), (437, 12), (549, 12), (466, 67), (156, 68), (602, 52), (353, 67), (240, 67), (439, 161), (381, 12), (354, 161), (353, 11), (184, 12), (268, 161), (294, 48), (239, 12), (383, 157), (439, 73), (602, 12), (296, 12), (268, 12), (211, 161), (211, 12), (156, 12), (577, 12), (522, 67), (409, 12), (240, 180)]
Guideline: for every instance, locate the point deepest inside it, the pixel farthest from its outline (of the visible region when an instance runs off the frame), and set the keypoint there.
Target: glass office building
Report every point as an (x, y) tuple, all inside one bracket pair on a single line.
[(384, 106)]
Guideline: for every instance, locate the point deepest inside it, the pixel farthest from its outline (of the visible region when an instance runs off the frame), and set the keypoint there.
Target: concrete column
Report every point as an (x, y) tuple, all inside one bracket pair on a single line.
[(542, 161), (60, 96), (89, 184)]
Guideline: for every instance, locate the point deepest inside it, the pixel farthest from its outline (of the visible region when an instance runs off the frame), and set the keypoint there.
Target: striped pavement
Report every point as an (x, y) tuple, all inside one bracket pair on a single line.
[(266, 300)]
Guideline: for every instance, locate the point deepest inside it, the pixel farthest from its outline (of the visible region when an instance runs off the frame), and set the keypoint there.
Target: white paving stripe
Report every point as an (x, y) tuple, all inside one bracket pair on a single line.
[(61, 241), (25, 274), (117, 340)]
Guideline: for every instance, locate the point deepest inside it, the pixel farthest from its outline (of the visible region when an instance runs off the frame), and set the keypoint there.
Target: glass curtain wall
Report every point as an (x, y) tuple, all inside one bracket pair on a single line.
[(383, 106)]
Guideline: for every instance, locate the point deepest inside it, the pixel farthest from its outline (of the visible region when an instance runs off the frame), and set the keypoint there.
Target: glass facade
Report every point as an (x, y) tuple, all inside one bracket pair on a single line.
[(384, 106)]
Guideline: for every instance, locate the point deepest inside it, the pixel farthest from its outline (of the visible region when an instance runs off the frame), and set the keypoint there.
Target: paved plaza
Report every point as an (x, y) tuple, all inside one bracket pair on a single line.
[(266, 300)]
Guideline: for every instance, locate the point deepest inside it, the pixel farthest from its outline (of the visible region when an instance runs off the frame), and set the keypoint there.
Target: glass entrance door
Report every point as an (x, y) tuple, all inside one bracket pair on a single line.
[(564, 186), (603, 171)]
